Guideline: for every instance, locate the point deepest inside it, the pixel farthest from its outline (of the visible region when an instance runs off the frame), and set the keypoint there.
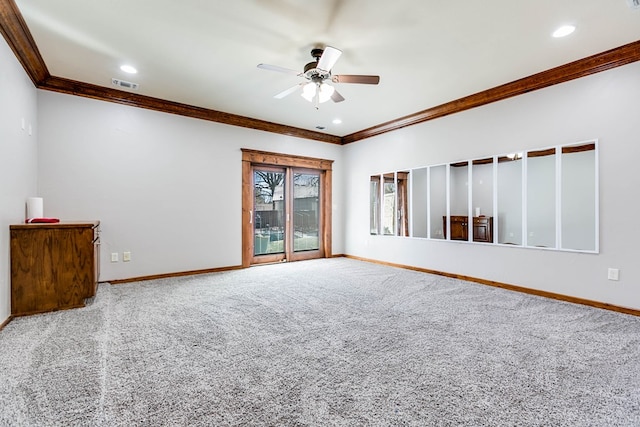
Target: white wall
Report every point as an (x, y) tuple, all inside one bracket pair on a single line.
[(18, 159), (166, 188), (603, 106)]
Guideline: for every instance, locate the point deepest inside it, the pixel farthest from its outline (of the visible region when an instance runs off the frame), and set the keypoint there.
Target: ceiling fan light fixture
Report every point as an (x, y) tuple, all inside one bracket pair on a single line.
[(325, 92), (309, 91)]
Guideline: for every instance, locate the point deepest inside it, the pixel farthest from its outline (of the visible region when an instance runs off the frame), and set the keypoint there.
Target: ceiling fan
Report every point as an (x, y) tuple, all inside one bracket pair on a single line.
[(316, 73)]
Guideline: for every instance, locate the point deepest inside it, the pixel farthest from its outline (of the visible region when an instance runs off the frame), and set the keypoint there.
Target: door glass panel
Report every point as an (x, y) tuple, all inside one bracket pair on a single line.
[(306, 208), (541, 198), (579, 197), (510, 199), (269, 208)]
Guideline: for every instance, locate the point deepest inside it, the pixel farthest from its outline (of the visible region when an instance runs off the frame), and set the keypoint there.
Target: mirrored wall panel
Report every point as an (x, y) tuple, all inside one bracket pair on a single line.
[(437, 200), (458, 202), (579, 197), (374, 204), (509, 197), (543, 198), (402, 214), (419, 202), (389, 204), (482, 199)]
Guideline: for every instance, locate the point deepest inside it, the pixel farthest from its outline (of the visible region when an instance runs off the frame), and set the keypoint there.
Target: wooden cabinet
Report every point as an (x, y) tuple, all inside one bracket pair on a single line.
[(53, 266), (459, 228), (482, 228)]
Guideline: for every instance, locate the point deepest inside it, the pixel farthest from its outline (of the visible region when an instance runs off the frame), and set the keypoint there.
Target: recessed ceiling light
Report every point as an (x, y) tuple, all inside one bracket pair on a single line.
[(337, 121), (128, 69), (563, 31)]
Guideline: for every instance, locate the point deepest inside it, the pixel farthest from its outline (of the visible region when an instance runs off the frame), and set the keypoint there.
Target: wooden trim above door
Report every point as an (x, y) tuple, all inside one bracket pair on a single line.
[(288, 160), (254, 157)]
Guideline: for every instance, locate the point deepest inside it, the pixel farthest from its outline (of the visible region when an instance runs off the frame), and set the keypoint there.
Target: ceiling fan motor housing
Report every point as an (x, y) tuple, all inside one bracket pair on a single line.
[(311, 71), (317, 53)]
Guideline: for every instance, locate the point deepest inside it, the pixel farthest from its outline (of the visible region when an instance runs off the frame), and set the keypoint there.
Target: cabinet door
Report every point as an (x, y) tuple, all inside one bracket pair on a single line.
[(482, 230), (33, 287), (459, 228)]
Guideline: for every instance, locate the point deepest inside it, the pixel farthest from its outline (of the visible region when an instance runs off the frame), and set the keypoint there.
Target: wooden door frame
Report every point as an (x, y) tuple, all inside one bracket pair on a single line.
[(252, 158)]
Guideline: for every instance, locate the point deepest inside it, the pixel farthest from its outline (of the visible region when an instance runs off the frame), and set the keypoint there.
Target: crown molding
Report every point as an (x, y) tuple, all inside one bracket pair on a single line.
[(72, 87), (18, 36), (613, 58)]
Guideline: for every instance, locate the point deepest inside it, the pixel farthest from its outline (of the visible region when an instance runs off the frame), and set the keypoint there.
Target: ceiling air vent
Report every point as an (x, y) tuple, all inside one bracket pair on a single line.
[(124, 84), (634, 4)]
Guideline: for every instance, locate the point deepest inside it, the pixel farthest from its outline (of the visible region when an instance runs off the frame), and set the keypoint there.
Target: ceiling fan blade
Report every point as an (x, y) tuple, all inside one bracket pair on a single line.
[(329, 58), (289, 91), (354, 78), (279, 69), (336, 97)]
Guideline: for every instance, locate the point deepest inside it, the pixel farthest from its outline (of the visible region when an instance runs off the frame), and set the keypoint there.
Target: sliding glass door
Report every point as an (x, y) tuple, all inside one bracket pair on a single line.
[(269, 212), (286, 207), (286, 214), (306, 211)]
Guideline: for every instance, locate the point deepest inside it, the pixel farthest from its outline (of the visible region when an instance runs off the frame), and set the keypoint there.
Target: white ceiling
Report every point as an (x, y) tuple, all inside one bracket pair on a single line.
[(427, 52)]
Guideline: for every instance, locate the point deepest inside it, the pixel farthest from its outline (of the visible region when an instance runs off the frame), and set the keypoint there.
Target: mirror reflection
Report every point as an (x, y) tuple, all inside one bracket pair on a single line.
[(544, 198), (578, 165), (389, 204), (482, 200), (510, 199), (458, 201), (541, 198), (437, 200), (419, 202)]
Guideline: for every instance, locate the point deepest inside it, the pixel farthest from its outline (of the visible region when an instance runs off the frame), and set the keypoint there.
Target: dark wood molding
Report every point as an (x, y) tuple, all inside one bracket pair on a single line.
[(251, 158), (61, 85), (18, 37), (459, 164), (288, 160), (613, 58), (6, 322), (170, 275), (545, 294), (483, 161), (578, 148), (541, 153)]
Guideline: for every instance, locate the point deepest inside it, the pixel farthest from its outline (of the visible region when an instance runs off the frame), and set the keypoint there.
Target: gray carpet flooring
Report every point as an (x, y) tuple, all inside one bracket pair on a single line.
[(332, 342)]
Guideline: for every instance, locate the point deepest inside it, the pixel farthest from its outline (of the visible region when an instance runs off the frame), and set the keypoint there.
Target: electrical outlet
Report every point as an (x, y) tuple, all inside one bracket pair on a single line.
[(114, 256), (613, 274), (126, 256)]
